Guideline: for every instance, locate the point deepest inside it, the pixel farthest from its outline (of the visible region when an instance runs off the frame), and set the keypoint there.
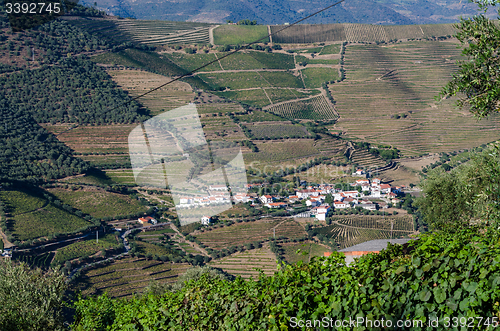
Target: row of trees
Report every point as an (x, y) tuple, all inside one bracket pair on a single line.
[(75, 91), (31, 153)]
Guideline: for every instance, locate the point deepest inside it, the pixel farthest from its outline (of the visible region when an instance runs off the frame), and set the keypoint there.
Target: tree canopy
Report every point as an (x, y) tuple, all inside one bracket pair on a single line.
[(477, 82)]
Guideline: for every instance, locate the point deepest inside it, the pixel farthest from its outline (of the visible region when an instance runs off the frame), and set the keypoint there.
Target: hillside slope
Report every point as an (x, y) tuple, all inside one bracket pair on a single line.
[(279, 11)]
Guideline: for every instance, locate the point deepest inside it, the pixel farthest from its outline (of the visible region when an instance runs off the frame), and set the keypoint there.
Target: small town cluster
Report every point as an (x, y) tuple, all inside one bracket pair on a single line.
[(321, 199)]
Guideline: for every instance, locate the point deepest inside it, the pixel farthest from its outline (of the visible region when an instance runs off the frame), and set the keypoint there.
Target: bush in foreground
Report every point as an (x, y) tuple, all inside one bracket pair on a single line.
[(445, 276), (30, 299)]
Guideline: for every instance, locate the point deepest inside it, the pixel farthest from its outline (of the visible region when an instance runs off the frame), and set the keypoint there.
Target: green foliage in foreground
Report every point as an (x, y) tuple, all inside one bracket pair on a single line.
[(30, 299), (467, 194), (477, 81), (445, 276)]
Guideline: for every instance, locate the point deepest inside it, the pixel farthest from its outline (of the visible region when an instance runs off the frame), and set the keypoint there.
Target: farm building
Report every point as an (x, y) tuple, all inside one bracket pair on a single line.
[(276, 205), (147, 219), (266, 199), (205, 220)]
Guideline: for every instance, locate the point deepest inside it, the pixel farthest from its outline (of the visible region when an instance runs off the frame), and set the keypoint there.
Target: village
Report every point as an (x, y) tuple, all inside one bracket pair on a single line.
[(321, 199)]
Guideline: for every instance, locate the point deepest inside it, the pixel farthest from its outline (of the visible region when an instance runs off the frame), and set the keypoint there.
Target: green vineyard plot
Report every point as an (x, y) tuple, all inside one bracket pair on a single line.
[(281, 131), (242, 233), (248, 264), (26, 209), (316, 108), (99, 203), (86, 248), (127, 276), (240, 34)]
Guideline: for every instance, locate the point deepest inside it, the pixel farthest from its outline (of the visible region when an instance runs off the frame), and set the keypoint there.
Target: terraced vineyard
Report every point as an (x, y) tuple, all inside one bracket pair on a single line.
[(241, 233), (245, 264), (330, 146), (127, 276), (165, 32), (307, 251), (402, 223), (98, 202), (363, 158), (136, 82), (310, 33), (27, 209), (85, 248), (350, 231), (315, 108), (393, 87), (280, 154), (278, 131)]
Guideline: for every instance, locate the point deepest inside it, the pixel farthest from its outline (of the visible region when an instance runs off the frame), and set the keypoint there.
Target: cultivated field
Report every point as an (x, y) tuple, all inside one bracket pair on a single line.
[(278, 131), (352, 230), (315, 108), (281, 154), (85, 248), (127, 276), (27, 209), (248, 263), (310, 33), (248, 232), (393, 87), (164, 32), (137, 82), (314, 77), (240, 34), (98, 202), (105, 139)]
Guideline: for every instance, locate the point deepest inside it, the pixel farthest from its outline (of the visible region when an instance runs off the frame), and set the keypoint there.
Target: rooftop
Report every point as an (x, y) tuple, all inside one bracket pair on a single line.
[(375, 245)]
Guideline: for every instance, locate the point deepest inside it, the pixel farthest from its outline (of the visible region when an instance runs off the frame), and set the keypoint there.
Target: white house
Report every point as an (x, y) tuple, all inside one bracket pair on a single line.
[(303, 194), (359, 172), (205, 220), (365, 187), (385, 188), (368, 206), (185, 201), (361, 182), (266, 199), (323, 209), (352, 194), (276, 205), (321, 216), (217, 187), (313, 203), (340, 205)]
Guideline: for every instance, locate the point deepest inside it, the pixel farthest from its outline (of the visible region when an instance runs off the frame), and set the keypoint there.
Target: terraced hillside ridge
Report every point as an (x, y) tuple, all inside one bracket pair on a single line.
[(127, 276), (247, 263), (312, 33), (388, 98), (155, 33), (364, 159)]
